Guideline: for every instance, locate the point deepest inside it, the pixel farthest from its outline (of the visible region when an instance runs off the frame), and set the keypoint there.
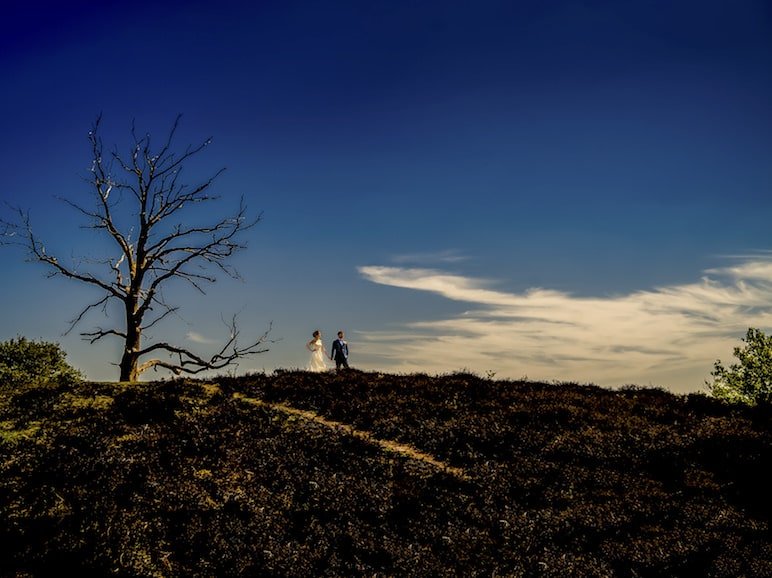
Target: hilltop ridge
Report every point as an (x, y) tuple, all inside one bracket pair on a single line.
[(372, 474)]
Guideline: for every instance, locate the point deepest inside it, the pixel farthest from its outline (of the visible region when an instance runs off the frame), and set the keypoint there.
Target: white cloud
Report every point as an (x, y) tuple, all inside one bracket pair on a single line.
[(668, 336), (198, 338)]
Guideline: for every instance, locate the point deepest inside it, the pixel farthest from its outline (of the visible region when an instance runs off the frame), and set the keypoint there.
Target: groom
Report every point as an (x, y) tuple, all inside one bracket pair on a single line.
[(340, 352)]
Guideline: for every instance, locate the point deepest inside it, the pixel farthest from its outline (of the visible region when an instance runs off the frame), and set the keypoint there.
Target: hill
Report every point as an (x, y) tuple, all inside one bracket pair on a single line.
[(369, 474)]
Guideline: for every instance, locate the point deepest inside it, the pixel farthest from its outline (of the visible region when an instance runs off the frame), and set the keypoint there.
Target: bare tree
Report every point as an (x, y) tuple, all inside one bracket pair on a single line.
[(144, 211)]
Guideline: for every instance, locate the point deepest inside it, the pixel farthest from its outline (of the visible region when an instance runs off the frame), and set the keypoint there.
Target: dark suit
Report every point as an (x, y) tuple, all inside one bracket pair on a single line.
[(340, 353)]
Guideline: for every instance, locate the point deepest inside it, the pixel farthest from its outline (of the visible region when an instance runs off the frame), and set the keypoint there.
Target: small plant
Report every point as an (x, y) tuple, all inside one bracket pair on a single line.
[(26, 363), (750, 380)]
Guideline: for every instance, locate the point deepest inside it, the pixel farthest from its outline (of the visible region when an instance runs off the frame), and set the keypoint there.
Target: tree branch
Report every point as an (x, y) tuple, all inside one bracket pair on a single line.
[(190, 363), (94, 336), (37, 252)]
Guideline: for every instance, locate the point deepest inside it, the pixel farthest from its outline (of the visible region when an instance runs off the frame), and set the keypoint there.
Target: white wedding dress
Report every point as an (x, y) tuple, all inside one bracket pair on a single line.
[(317, 362)]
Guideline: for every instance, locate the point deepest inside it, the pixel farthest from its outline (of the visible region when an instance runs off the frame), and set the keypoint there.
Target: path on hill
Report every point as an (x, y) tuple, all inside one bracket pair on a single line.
[(390, 446)]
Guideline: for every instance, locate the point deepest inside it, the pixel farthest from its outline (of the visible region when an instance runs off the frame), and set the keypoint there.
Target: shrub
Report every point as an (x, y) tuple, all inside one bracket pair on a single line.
[(750, 380), (26, 363)]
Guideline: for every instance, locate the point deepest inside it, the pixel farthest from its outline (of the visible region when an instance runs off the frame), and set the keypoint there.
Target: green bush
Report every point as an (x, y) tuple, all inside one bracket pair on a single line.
[(25, 363), (750, 380)]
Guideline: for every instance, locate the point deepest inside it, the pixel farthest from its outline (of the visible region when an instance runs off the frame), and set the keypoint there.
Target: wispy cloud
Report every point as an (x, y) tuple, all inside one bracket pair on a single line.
[(666, 336), (447, 256), (198, 338)]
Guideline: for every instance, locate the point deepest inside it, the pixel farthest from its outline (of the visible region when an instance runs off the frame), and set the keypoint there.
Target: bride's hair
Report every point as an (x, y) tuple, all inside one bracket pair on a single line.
[(316, 333)]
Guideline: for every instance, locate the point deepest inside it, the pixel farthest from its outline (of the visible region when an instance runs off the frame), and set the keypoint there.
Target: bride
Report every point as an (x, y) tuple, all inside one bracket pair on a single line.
[(318, 353)]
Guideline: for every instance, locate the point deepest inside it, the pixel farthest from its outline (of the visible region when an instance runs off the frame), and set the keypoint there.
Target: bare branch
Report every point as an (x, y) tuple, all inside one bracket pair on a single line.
[(168, 311), (94, 336), (74, 322), (190, 363), (37, 252)]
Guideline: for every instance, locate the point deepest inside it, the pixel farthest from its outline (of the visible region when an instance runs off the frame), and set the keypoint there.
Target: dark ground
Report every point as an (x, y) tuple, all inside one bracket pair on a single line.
[(194, 478)]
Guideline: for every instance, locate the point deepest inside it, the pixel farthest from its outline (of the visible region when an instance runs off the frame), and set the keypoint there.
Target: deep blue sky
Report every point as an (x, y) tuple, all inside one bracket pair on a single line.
[(565, 190)]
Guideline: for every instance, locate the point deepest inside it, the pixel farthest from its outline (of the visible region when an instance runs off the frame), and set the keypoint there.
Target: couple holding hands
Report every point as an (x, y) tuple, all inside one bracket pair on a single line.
[(319, 353)]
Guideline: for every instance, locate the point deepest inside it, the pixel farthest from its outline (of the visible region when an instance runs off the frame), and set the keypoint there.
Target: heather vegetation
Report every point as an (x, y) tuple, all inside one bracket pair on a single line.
[(370, 474)]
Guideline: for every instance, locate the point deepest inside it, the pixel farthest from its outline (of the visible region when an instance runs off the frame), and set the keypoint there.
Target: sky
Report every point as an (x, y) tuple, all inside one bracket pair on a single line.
[(568, 191)]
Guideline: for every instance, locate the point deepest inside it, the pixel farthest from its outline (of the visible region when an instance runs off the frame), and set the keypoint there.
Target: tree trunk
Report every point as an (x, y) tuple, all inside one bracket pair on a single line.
[(130, 358), (129, 366)]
